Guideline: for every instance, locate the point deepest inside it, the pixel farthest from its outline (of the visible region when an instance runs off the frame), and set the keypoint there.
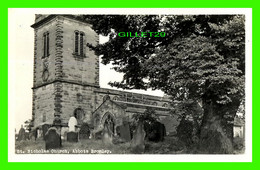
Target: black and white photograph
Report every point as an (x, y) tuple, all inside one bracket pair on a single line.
[(129, 84)]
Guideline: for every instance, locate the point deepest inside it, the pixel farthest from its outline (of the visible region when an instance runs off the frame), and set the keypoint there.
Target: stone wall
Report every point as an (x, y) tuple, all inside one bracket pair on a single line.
[(135, 98), (77, 96), (43, 102), (79, 69), (39, 59)]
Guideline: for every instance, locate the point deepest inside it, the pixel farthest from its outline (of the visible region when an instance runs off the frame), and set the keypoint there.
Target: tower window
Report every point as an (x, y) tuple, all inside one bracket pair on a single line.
[(46, 44), (76, 42), (79, 43)]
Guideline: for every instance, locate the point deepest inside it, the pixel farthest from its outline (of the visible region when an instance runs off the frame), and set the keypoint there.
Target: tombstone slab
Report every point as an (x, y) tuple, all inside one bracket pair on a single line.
[(52, 139), (107, 135), (21, 134), (84, 131), (137, 143), (125, 131), (72, 124), (72, 137), (45, 128)]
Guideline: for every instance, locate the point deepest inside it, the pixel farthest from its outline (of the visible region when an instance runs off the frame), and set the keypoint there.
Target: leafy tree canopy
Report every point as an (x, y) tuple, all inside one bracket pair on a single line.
[(200, 56)]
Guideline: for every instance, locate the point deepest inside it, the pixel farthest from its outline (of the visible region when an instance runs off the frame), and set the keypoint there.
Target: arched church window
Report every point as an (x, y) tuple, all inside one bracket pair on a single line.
[(79, 39), (81, 44), (46, 44), (76, 42)]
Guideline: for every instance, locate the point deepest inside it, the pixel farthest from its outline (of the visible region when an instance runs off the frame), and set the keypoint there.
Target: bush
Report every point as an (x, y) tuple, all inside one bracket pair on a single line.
[(238, 143), (187, 133)]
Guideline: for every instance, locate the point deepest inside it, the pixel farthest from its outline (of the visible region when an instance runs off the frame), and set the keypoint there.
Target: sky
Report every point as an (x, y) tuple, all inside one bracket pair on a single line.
[(20, 67)]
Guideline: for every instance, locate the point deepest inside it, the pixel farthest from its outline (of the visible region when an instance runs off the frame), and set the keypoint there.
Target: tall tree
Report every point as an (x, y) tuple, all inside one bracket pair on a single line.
[(201, 56)]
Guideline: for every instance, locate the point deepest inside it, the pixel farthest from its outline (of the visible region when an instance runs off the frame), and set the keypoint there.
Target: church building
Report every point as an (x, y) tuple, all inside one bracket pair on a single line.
[(66, 78)]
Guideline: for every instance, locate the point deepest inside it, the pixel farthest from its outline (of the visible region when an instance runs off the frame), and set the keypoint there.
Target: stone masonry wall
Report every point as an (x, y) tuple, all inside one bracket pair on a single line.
[(76, 96), (39, 60), (82, 70), (43, 101)]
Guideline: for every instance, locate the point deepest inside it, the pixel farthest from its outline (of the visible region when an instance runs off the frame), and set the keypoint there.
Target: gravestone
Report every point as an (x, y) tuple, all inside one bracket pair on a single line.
[(125, 131), (97, 132), (72, 124), (27, 136), (65, 136), (72, 137), (52, 139), (84, 131), (63, 132), (45, 128), (137, 143), (107, 135), (21, 134), (35, 133)]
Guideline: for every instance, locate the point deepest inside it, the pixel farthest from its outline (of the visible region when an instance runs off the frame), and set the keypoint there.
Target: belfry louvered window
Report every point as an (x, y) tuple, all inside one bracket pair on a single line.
[(79, 43), (46, 44)]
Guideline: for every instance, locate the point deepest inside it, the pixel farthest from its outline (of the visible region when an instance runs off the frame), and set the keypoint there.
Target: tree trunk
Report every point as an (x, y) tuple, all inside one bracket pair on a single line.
[(216, 132)]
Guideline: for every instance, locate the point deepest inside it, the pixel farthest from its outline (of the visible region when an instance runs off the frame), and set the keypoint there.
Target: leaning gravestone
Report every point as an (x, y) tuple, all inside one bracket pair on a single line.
[(21, 134), (137, 143), (45, 128), (125, 131), (72, 124), (72, 137), (52, 139), (84, 131), (107, 135)]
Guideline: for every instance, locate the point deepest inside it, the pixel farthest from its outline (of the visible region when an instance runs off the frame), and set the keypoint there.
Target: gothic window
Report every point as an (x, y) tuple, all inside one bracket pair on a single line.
[(76, 42), (46, 44), (79, 39), (81, 44)]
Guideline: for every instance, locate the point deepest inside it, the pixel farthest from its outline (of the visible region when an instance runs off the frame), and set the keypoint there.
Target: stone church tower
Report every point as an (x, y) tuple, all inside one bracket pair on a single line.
[(66, 71), (66, 78)]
